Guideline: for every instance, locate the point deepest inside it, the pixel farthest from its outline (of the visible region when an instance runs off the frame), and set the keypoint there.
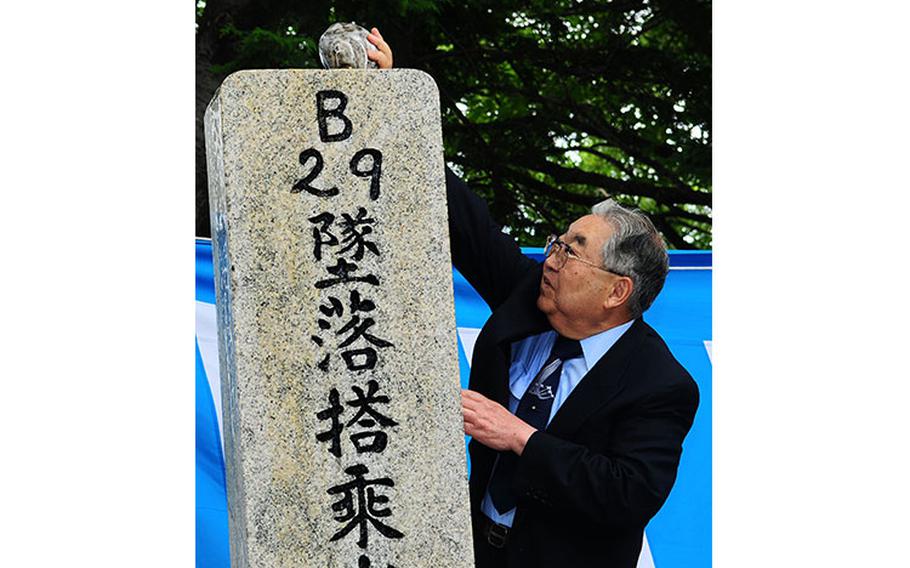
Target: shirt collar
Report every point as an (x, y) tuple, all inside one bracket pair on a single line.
[(595, 346)]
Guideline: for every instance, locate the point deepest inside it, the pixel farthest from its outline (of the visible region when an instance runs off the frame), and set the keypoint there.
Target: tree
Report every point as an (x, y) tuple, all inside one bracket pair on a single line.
[(547, 105)]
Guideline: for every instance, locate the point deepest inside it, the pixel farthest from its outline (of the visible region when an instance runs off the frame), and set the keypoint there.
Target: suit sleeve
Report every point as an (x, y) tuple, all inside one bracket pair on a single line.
[(626, 485), (488, 258)]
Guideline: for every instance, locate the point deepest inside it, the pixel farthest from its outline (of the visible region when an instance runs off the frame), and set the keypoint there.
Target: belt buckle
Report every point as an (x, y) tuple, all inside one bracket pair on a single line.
[(497, 535)]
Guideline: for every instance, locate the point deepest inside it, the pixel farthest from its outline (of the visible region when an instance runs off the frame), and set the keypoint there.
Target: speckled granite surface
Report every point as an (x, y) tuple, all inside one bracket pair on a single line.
[(299, 323)]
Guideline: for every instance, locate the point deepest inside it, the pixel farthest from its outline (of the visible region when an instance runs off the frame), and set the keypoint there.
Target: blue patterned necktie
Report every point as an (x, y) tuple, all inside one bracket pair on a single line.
[(534, 408)]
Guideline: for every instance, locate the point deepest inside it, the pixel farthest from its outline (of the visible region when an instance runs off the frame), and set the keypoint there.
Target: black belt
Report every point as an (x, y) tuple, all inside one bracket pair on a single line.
[(496, 535)]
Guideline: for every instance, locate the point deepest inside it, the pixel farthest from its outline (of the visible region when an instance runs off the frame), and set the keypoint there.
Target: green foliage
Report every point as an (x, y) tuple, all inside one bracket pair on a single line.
[(260, 48), (548, 105)]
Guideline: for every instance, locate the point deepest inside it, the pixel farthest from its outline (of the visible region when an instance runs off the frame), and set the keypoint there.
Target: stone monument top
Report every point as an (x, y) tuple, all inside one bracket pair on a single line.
[(344, 45)]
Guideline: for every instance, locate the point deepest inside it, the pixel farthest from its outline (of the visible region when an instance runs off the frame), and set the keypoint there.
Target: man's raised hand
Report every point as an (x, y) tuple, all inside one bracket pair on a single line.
[(383, 57)]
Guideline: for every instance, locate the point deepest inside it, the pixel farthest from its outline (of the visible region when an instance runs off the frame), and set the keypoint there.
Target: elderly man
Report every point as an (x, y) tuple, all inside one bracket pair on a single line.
[(576, 407)]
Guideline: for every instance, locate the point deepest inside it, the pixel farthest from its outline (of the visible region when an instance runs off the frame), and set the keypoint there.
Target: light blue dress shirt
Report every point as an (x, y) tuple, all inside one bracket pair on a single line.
[(528, 357)]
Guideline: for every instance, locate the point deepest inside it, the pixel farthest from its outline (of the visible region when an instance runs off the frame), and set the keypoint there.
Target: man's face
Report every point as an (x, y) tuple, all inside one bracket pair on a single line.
[(572, 297)]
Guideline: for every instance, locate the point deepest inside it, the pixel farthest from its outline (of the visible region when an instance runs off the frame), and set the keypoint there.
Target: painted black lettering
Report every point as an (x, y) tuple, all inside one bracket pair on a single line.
[(374, 172), (337, 113), (305, 184), (360, 505)]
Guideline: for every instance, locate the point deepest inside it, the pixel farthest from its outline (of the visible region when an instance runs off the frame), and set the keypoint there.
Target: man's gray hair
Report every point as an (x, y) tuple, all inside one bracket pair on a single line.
[(635, 250)]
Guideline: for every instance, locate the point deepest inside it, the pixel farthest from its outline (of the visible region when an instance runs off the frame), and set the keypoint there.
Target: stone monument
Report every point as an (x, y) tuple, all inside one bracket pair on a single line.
[(342, 421)]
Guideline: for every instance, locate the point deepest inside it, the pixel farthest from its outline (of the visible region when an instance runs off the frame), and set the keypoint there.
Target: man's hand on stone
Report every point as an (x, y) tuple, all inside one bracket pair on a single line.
[(383, 57), (493, 425)]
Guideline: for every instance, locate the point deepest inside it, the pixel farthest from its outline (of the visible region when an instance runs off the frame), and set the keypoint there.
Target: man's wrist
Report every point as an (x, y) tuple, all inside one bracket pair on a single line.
[(522, 434)]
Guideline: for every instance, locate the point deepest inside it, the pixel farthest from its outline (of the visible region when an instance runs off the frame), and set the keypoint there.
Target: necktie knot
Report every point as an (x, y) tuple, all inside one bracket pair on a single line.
[(565, 349)]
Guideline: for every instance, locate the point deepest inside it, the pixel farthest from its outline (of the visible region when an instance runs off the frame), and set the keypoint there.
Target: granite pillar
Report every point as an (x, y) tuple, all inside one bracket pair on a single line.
[(342, 423)]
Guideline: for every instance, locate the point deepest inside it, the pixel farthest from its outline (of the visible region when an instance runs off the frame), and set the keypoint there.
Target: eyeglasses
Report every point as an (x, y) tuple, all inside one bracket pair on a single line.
[(564, 252)]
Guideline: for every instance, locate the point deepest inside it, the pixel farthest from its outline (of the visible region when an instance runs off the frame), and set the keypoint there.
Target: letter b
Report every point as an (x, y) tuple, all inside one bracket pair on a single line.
[(323, 114)]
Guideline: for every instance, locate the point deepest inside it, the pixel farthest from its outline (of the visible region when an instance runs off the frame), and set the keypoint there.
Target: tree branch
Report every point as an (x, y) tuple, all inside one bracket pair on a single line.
[(661, 194)]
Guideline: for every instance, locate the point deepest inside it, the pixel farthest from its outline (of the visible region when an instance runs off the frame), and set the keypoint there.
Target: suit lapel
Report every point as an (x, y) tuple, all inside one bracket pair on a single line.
[(600, 384)]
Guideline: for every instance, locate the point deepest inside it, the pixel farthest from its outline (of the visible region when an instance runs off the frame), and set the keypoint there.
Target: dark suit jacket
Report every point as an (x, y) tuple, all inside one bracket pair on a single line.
[(605, 464)]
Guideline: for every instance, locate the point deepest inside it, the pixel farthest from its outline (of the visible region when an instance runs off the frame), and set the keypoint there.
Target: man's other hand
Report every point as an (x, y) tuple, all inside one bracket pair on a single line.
[(383, 57), (493, 425)]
